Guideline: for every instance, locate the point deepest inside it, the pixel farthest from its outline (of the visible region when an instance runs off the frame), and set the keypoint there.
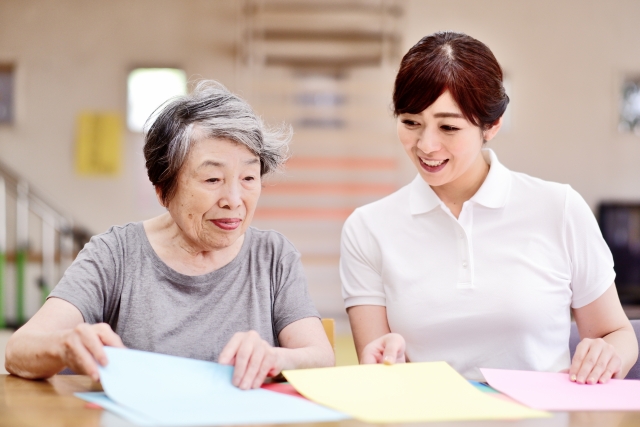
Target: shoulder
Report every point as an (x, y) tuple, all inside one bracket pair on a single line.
[(537, 185), (269, 242), (548, 202), (532, 190), (117, 236), (395, 205)]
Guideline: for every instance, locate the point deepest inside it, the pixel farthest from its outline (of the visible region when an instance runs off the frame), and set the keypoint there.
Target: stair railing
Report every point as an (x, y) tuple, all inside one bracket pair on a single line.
[(54, 252)]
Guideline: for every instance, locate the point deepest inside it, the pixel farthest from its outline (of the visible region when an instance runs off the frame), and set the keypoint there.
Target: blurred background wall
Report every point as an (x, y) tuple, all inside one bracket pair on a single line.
[(326, 68)]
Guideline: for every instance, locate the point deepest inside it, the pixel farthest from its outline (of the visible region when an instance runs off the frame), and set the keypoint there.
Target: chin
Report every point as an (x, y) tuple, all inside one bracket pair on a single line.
[(432, 181)]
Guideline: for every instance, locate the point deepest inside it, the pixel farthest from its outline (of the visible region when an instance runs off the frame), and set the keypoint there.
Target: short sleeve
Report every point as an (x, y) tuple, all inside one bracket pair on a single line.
[(88, 283), (291, 299), (360, 264), (592, 270)]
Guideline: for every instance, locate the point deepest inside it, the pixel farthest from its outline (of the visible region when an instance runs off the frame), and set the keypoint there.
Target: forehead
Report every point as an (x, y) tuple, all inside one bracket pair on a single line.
[(444, 103), (219, 150)]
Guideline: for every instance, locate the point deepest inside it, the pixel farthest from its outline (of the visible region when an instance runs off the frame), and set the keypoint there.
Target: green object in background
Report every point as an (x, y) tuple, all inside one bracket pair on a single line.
[(3, 260), (21, 270)]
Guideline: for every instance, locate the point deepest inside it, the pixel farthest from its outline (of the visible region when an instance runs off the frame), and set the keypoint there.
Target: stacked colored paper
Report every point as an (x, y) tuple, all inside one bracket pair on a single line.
[(411, 392), (156, 389), (552, 391)]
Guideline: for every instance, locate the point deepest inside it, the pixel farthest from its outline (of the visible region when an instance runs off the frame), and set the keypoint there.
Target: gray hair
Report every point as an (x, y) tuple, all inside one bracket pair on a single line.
[(210, 111)]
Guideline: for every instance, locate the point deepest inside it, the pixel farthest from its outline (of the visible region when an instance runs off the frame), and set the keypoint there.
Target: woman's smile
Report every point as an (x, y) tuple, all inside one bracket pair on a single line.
[(227, 223), (433, 166)]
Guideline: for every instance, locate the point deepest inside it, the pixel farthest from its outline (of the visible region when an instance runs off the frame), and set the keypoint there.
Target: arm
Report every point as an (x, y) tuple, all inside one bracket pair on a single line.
[(304, 345), (364, 294), (373, 338), (609, 347), (57, 337)]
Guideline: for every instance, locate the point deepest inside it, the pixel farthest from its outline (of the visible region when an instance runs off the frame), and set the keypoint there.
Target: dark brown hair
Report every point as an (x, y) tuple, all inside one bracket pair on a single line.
[(455, 62)]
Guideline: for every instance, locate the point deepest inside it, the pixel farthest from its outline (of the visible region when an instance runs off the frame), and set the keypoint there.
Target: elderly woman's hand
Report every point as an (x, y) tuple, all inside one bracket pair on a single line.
[(253, 359), (387, 349), (595, 361), (82, 347)]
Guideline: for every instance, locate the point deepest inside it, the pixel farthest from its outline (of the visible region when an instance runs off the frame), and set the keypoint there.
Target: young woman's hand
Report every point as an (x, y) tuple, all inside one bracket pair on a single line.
[(595, 361), (82, 346), (253, 359), (387, 349)]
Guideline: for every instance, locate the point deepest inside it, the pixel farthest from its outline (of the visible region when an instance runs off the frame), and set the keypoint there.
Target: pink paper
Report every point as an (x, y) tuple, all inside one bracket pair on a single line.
[(552, 391)]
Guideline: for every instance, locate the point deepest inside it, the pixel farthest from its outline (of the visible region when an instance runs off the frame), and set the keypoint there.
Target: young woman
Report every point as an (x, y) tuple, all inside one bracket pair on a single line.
[(472, 263)]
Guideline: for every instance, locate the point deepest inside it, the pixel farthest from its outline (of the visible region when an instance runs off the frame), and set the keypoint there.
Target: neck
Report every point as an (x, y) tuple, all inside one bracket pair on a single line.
[(183, 254), (455, 193)]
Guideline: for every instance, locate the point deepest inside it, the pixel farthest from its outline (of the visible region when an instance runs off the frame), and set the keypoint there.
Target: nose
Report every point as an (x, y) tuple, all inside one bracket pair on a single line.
[(231, 197), (429, 141)]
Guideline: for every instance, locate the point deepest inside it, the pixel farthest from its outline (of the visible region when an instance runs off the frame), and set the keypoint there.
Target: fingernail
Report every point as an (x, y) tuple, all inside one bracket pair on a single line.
[(387, 361), (573, 378), (591, 381)]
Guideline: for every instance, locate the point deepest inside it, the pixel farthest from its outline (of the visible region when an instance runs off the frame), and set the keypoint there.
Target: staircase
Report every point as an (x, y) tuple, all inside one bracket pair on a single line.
[(327, 68), (37, 244)]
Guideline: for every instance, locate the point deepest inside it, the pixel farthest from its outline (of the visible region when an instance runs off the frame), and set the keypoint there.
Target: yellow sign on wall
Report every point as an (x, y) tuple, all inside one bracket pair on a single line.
[(99, 143)]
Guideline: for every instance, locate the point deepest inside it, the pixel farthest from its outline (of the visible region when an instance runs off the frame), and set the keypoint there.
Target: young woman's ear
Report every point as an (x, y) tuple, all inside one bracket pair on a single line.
[(490, 132)]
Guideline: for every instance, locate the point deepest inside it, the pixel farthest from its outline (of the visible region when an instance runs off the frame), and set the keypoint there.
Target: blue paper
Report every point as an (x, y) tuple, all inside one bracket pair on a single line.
[(482, 387), (104, 402), (149, 388)]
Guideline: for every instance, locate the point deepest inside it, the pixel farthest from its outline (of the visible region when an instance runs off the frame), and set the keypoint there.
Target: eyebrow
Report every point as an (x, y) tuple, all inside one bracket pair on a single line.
[(446, 115), (222, 164)]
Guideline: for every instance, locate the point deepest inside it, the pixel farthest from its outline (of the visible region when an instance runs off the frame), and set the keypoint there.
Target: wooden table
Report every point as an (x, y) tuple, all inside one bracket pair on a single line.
[(51, 403)]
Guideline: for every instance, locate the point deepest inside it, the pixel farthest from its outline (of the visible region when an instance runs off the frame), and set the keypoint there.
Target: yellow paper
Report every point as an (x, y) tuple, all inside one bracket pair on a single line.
[(411, 392), (98, 148)]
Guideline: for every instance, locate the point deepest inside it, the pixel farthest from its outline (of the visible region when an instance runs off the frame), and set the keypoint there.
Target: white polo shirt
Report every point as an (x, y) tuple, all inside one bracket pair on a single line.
[(491, 289)]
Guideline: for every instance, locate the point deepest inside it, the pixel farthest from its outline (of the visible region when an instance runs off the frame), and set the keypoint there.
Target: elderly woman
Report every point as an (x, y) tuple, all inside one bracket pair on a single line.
[(197, 281), (472, 263)]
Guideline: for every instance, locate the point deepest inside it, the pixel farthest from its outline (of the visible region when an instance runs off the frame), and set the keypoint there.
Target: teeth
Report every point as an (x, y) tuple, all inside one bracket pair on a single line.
[(432, 163)]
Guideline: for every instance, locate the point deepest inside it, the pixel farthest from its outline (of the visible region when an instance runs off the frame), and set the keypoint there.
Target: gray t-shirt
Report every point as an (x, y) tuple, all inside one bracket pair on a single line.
[(119, 279)]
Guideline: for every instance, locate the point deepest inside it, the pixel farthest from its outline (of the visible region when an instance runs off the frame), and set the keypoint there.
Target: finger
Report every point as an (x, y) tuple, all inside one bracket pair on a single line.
[(267, 366), (228, 353), (242, 360), (253, 367), (588, 363), (91, 341), (393, 350), (612, 368), (581, 352), (108, 336), (78, 358), (600, 366), (371, 354)]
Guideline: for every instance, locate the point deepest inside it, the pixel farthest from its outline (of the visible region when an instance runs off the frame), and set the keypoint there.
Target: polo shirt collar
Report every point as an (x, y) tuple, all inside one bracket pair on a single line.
[(493, 193), (421, 197)]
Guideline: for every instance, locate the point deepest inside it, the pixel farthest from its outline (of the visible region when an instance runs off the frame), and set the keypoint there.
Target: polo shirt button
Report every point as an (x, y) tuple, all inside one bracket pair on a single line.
[(464, 264), (461, 236)]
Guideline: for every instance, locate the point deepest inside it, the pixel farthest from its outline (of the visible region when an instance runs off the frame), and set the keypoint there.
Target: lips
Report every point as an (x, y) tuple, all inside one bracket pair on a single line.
[(227, 223), (433, 166)]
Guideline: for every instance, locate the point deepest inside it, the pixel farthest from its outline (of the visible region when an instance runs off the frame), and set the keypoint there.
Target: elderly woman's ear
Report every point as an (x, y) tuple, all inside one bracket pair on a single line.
[(159, 196)]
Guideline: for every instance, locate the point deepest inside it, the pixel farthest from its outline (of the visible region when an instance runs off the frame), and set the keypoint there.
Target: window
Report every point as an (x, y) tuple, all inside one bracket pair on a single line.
[(630, 107), (6, 93), (147, 89)]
